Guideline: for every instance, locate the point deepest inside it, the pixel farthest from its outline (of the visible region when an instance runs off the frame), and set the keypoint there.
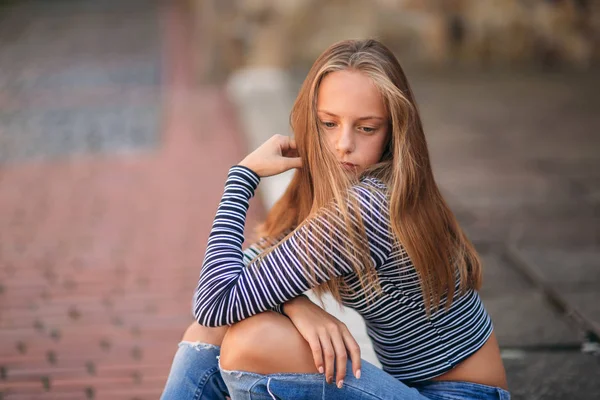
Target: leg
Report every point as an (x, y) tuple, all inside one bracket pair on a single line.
[(198, 333), (195, 372), (265, 357), (250, 345)]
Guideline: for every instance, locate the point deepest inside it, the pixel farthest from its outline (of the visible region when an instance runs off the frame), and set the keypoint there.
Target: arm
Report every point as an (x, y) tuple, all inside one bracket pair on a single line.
[(227, 292), (328, 337), (254, 250)]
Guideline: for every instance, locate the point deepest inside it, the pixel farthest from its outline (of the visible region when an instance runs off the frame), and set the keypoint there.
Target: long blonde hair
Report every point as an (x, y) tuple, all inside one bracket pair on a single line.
[(421, 221)]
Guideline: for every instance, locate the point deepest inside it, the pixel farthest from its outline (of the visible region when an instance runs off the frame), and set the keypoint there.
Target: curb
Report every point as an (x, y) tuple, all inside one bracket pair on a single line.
[(590, 328)]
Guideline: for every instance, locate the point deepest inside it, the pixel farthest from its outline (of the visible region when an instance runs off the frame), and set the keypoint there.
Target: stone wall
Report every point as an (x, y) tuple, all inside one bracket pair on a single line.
[(481, 33)]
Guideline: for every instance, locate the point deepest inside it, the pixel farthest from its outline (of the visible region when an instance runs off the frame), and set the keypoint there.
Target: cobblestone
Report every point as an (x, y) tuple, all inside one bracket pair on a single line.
[(47, 59), (111, 167)]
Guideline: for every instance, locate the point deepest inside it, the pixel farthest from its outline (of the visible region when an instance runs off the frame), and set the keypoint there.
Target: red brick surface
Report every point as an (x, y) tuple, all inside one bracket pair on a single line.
[(99, 255)]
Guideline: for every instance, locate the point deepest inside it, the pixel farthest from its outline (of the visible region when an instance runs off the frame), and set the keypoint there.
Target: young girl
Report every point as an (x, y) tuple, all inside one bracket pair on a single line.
[(363, 220)]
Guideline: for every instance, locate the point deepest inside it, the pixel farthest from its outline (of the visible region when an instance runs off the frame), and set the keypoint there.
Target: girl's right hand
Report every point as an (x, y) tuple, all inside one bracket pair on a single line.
[(328, 337), (276, 155)]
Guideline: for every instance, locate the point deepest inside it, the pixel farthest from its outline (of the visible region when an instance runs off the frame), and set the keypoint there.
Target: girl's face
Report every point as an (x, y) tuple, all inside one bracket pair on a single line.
[(352, 115)]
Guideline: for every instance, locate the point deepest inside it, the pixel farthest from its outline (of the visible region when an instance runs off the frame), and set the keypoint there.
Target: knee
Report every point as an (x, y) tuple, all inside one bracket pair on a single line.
[(198, 333), (252, 338), (257, 343)]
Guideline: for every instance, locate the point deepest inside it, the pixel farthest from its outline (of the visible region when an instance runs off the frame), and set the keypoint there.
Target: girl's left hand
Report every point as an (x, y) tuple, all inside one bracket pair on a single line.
[(328, 338), (276, 155)]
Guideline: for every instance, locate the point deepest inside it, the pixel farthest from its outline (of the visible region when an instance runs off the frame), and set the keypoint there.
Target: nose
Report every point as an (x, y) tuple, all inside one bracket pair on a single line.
[(345, 140)]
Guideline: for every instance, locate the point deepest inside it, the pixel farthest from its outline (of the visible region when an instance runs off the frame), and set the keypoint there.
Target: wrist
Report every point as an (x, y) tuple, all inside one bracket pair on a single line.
[(289, 306), (248, 164), (249, 169)]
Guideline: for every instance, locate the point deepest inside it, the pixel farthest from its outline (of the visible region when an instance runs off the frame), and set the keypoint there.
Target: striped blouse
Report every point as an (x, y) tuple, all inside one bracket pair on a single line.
[(410, 346)]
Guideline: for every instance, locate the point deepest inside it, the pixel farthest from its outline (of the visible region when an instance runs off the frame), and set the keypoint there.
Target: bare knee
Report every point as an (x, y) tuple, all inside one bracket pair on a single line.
[(266, 343), (198, 333)]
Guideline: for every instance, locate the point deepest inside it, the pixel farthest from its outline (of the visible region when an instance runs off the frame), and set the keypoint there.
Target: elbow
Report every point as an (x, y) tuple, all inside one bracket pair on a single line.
[(201, 312), (204, 314), (208, 324), (199, 316), (204, 318)]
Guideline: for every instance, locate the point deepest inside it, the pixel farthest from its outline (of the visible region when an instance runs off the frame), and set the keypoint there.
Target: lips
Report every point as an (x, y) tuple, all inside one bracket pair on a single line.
[(348, 166)]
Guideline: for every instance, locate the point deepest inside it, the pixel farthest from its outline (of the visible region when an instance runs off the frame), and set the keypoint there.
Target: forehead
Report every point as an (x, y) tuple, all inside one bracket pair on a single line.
[(350, 93)]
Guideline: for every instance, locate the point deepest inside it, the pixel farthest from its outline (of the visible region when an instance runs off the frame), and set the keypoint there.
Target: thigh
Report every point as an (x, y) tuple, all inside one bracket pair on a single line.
[(454, 390), (256, 344), (374, 384)]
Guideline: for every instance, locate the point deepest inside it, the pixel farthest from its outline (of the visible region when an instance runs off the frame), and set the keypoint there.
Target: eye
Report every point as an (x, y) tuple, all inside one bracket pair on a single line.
[(328, 124), (368, 129)]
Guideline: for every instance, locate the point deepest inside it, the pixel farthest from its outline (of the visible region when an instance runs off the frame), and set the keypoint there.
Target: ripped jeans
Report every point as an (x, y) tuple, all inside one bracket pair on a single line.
[(195, 374)]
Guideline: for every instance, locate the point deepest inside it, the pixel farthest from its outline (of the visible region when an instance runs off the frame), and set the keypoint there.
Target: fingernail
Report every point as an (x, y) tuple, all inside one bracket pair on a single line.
[(358, 374), (320, 370), (340, 383)]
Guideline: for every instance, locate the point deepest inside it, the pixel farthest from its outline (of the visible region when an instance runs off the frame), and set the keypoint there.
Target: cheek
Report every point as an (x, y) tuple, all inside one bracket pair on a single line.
[(376, 148), (330, 141)]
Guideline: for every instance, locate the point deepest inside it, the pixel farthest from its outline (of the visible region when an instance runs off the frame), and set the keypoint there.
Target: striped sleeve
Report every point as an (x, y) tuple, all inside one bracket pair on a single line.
[(252, 251), (227, 292)]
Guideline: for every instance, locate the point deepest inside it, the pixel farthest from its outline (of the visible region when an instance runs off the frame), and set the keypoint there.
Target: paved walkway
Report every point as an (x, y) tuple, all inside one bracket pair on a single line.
[(516, 156), (112, 162), (112, 167)]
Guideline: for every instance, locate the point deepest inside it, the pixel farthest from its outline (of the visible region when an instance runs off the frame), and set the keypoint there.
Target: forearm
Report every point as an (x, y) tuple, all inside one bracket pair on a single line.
[(289, 307)]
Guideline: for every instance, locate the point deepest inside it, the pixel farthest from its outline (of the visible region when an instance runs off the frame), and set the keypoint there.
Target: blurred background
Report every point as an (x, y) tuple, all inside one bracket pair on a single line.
[(120, 118)]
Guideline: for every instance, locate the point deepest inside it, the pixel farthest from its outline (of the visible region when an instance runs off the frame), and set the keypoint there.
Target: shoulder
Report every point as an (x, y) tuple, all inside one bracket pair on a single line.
[(374, 183), (372, 194), (373, 188)]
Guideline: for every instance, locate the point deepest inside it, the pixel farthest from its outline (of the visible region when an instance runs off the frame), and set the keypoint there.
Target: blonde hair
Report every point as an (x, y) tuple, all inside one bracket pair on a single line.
[(420, 219)]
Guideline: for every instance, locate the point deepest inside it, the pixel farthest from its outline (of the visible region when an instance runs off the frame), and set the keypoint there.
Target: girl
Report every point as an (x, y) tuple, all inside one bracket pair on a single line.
[(363, 220)]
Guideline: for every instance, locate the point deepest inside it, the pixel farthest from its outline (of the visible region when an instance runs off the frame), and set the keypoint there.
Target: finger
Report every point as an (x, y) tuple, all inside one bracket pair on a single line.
[(286, 143), (329, 356), (340, 357), (354, 350), (317, 352), (292, 162)]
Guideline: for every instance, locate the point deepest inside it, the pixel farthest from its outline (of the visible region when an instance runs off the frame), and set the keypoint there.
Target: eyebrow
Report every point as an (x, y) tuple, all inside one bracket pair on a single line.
[(360, 119)]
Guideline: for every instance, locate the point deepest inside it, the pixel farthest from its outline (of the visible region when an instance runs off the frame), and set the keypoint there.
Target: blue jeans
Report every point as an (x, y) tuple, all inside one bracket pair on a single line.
[(195, 374)]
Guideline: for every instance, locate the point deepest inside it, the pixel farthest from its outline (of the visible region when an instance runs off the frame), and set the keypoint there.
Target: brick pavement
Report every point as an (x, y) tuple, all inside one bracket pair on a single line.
[(101, 234), (100, 247)]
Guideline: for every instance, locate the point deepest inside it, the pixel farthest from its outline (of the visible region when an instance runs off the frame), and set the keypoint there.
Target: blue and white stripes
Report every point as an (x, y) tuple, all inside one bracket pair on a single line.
[(409, 345)]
